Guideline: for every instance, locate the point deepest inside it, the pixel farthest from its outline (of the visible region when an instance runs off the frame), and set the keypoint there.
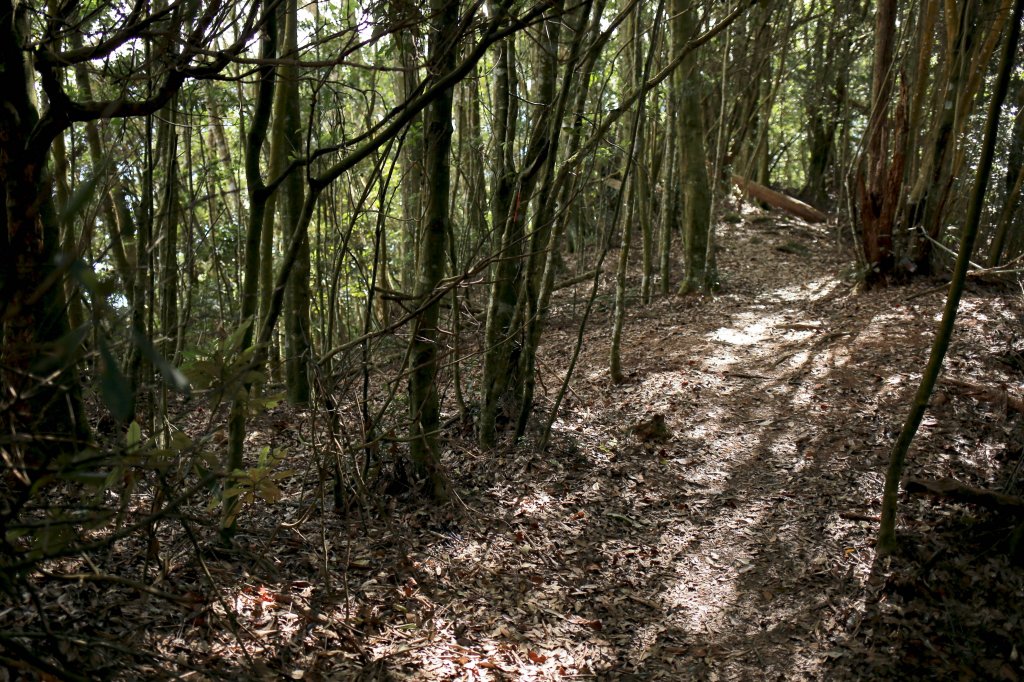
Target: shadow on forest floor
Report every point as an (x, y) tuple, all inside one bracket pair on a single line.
[(736, 547)]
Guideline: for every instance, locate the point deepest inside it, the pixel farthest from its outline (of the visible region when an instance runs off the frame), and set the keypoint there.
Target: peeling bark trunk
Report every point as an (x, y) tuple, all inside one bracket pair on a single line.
[(881, 178)]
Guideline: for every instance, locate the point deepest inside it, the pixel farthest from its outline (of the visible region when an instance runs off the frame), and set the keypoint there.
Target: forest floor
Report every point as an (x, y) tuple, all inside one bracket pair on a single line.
[(712, 517)]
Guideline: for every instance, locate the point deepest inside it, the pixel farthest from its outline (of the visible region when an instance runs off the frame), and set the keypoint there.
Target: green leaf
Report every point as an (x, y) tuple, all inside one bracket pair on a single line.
[(229, 519), (134, 435), (81, 196), (233, 342), (268, 491), (173, 376), (204, 373), (14, 535), (114, 387), (180, 441)]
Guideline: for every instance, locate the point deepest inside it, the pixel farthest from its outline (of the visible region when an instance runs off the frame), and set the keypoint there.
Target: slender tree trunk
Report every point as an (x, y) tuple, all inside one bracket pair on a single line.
[(258, 199), (968, 58), (76, 314), (298, 340), (648, 152), (823, 103), (502, 300), (406, 14), (921, 76), (424, 401), (276, 163), (113, 204), (1013, 183), (545, 250), (669, 198), (536, 188), (142, 303), (167, 141), (476, 198), (639, 69), (700, 275), (643, 190), (619, 314), (773, 71), (225, 160)]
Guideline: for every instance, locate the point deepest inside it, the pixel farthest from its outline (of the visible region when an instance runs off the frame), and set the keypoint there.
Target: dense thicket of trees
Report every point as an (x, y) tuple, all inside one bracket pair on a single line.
[(407, 185)]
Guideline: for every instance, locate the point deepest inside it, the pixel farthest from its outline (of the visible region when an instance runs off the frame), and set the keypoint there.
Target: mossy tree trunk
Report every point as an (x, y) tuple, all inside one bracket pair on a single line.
[(669, 215), (405, 16), (167, 143)]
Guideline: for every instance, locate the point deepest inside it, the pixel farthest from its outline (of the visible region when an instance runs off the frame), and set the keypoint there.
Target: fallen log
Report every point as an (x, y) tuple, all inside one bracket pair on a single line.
[(991, 394), (565, 283), (955, 491), (779, 200)]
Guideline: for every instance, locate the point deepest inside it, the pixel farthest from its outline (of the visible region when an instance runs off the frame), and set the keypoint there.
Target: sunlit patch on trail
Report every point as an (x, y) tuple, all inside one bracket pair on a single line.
[(710, 570), (755, 331), (812, 291)]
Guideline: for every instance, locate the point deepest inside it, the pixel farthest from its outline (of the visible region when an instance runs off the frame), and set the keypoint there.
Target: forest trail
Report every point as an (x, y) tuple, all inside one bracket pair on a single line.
[(774, 392), (732, 542), (721, 551)]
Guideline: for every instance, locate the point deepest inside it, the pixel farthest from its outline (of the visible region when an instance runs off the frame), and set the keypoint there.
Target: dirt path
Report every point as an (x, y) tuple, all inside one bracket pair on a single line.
[(721, 550)]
